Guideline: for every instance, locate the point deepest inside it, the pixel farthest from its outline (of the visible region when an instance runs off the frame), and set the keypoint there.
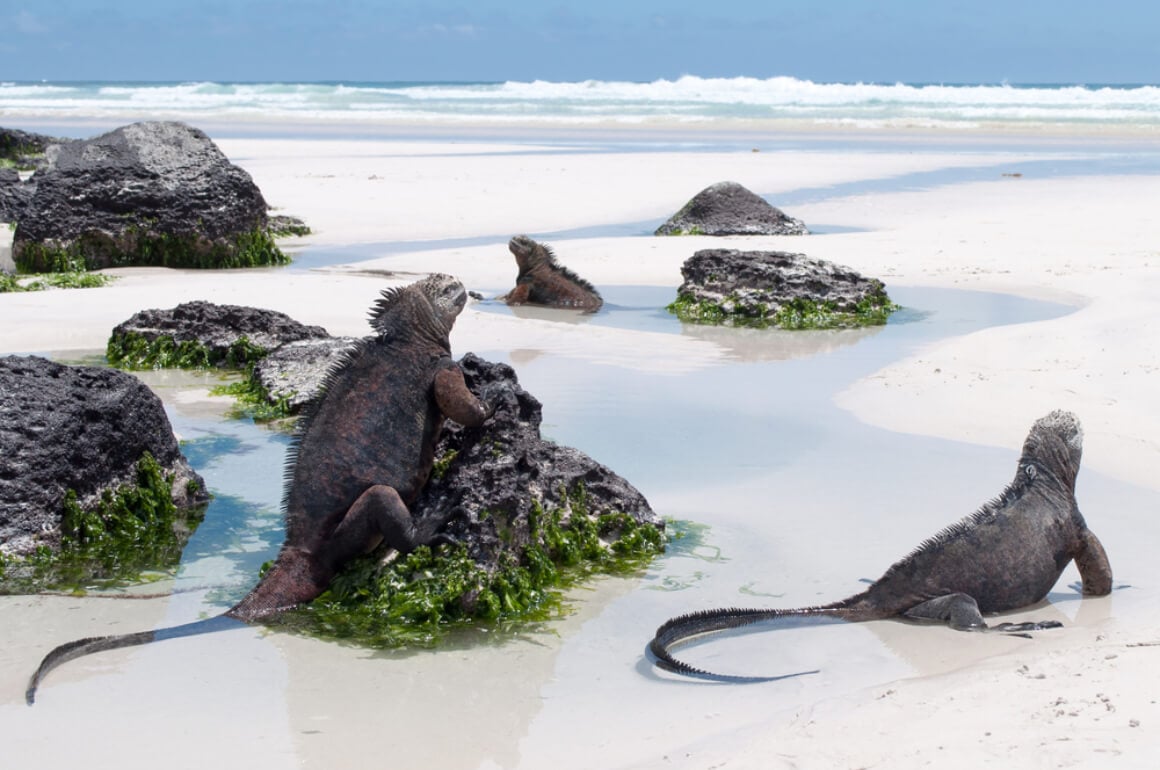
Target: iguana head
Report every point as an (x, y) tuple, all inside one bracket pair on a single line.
[(1055, 445), (434, 302), (527, 252), (446, 295)]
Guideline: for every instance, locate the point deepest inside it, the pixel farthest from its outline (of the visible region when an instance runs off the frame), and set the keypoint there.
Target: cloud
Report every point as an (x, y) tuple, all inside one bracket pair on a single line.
[(26, 23), (450, 30)]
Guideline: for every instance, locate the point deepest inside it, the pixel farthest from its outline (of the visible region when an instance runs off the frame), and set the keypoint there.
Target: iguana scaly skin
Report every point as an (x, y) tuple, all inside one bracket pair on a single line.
[(1006, 555), (544, 281), (361, 454)]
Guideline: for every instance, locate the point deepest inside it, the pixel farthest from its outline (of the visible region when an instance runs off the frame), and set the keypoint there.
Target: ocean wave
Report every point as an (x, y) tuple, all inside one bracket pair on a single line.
[(685, 99)]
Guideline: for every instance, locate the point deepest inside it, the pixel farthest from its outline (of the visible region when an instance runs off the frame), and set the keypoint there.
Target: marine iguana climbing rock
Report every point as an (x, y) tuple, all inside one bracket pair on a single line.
[(361, 455), (544, 281), (1006, 555)]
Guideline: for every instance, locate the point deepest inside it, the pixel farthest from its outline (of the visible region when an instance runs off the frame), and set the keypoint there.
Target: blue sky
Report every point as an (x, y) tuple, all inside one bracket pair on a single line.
[(1020, 41)]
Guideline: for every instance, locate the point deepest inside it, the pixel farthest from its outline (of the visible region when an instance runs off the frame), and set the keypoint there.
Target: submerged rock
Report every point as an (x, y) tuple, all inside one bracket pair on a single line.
[(80, 433), (201, 334), (777, 288), (727, 208), (153, 193)]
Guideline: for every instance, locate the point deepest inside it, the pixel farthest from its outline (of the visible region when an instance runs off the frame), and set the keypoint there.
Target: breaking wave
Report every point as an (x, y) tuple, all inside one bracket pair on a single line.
[(712, 101)]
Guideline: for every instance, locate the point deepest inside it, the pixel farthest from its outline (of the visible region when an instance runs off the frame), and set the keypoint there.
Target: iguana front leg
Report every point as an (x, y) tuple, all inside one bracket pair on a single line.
[(519, 295), (1094, 569), (458, 403)]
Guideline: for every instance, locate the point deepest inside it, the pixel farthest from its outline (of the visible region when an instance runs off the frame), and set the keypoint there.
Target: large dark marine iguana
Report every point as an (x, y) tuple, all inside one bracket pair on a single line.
[(361, 454), (1006, 555), (544, 281)]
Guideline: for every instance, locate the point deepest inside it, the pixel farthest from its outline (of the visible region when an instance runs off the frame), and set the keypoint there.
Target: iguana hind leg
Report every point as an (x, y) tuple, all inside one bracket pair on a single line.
[(377, 516), (961, 612)]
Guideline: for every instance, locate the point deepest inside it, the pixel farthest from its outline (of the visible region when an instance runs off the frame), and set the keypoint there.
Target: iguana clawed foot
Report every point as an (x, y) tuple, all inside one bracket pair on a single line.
[(431, 529), (1021, 629)]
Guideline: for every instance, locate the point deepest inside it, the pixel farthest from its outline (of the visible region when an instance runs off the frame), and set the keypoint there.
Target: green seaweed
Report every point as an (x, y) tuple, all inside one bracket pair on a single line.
[(795, 315), (253, 401), (128, 531), (442, 463), (73, 279), (417, 599), (284, 228), (690, 230), (135, 351), (138, 245)]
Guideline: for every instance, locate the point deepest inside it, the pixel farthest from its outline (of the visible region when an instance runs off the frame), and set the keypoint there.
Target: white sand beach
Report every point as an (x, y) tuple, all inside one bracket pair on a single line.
[(802, 509)]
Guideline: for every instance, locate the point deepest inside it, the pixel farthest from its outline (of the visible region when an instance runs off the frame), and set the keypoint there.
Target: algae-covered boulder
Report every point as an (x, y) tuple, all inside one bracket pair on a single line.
[(727, 208), (203, 334), (88, 462), (24, 149), (527, 517), (153, 193), (497, 476), (777, 288)]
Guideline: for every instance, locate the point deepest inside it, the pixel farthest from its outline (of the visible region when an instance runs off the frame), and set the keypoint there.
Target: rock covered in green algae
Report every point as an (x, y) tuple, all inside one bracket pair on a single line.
[(777, 288), (531, 517), (203, 334), (153, 193), (89, 466)]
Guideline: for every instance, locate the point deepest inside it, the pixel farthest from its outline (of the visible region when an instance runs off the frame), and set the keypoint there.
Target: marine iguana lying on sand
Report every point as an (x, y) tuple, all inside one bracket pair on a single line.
[(362, 452), (544, 281), (1006, 555)]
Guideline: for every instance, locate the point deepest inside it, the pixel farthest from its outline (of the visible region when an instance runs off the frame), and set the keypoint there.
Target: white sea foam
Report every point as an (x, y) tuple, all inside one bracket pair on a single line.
[(721, 101)]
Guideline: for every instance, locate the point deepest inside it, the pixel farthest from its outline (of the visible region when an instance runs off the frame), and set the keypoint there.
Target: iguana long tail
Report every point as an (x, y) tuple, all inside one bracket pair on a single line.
[(708, 621), (93, 644)]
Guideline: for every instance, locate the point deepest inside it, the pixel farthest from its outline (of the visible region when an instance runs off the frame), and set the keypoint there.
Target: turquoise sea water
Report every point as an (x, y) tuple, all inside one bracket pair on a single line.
[(693, 101)]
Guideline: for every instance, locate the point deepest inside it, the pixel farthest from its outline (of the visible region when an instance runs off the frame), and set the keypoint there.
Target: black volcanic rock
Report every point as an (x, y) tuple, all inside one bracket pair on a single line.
[(293, 373), (727, 208), (25, 149), (76, 428), (14, 195), (153, 193), (777, 288), (496, 474), (231, 335)]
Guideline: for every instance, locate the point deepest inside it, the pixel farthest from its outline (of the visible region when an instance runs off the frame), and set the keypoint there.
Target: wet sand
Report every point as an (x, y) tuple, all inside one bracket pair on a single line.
[(813, 465)]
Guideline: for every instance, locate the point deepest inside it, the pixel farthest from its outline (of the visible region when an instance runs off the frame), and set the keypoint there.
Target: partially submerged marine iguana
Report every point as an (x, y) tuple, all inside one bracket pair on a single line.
[(1006, 555), (544, 281), (362, 452)]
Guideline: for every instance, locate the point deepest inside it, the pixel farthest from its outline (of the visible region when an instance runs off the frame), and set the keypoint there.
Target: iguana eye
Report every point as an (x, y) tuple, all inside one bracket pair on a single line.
[(1030, 471)]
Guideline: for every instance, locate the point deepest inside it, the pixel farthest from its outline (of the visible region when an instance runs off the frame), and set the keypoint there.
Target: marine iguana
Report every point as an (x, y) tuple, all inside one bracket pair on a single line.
[(1006, 555), (544, 281), (360, 456)]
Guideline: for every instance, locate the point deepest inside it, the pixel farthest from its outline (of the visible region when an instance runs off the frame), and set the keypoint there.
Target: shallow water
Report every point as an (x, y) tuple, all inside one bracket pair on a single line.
[(713, 445), (795, 502)]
